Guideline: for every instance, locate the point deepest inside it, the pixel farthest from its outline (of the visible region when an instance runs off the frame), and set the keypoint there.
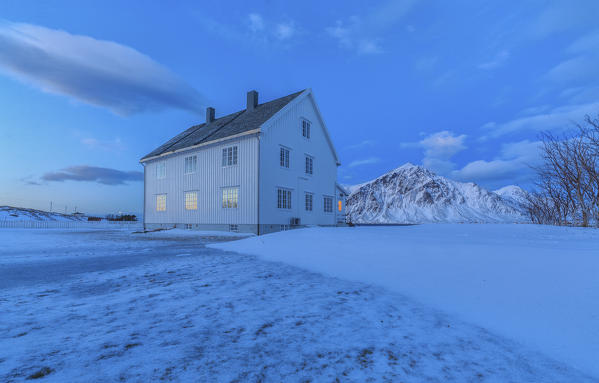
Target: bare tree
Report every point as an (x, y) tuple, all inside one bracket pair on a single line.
[(568, 178)]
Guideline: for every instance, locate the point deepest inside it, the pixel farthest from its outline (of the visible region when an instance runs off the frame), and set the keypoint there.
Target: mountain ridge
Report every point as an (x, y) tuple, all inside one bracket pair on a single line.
[(414, 194)]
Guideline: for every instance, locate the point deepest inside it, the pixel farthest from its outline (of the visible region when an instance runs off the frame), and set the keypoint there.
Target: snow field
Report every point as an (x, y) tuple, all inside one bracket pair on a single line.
[(534, 284), (151, 314)]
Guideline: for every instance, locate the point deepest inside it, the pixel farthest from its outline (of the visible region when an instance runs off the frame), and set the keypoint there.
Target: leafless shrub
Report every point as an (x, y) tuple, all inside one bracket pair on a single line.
[(568, 178)]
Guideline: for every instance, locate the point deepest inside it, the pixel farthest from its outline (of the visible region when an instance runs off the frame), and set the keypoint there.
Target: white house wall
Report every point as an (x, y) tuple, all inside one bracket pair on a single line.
[(208, 181), (286, 130)]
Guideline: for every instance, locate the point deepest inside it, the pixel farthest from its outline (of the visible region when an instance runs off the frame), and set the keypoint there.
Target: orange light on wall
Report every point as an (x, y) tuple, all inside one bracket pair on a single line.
[(340, 205)]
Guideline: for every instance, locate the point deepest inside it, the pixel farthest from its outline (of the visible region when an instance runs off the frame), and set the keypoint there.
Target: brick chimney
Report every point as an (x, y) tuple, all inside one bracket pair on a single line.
[(209, 114), (252, 100)]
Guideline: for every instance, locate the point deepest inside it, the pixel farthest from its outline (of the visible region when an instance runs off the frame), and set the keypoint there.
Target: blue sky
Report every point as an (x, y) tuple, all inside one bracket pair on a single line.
[(462, 87)]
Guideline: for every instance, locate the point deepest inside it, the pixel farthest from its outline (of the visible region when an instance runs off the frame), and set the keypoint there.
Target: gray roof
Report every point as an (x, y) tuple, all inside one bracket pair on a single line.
[(223, 127)]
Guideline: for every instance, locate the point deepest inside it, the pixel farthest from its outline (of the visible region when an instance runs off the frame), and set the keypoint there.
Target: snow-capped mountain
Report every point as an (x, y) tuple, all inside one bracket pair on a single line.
[(413, 194), (513, 194)]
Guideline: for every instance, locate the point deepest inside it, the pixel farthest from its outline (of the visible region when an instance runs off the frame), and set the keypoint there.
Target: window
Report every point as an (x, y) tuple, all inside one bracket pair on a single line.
[(284, 157), (328, 204), (161, 170), (306, 128), (191, 164), (161, 202), (309, 199), (188, 226), (230, 197), (283, 198), (230, 156), (191, 200), (234, 228), (309, 165), (284, 227)]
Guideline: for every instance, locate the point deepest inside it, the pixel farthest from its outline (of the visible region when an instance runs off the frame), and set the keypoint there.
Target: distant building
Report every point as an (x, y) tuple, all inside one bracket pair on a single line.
[(266, 168)]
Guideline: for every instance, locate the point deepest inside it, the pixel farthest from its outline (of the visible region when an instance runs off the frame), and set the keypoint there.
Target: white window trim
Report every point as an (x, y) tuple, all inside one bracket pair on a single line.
[(195, 168), (306, 155), (324, 197), (289, 150), (306, 210), (159, 175), (185, 199), (301, 126), (232, 157), (222, 189), (288, 198), (165, 203)]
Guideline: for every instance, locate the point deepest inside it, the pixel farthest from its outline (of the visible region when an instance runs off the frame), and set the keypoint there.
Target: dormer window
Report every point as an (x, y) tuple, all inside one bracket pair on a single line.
[(306, 128)]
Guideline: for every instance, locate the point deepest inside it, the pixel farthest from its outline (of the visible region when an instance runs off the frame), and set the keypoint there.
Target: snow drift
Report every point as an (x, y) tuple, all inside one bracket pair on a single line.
[(9, 213)]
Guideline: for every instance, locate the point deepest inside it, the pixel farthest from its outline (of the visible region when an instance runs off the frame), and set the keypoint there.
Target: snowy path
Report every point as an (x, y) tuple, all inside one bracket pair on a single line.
[(535, 284), (167, 308)]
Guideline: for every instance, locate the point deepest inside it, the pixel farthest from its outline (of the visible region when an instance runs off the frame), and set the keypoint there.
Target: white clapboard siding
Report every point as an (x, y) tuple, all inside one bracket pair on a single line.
[(285, 129), (208, 181)]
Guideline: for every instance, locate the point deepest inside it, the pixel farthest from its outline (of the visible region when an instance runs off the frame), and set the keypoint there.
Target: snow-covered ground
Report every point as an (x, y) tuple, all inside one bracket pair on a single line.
[(10, 213), (537, 285), (103, 306)]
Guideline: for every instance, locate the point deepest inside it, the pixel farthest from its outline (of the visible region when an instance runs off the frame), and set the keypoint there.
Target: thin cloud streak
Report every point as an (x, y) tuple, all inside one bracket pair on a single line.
[(85, 173), (97, 72), (366, 161), (364, 34)]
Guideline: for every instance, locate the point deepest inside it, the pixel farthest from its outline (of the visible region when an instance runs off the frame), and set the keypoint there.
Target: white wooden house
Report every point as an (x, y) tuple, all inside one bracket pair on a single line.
[(269, 167)]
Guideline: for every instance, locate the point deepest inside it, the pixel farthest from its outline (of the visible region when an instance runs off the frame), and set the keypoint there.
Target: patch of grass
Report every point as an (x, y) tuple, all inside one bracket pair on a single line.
[(364, 357), (262, 330), (44, 371), (131, 345)]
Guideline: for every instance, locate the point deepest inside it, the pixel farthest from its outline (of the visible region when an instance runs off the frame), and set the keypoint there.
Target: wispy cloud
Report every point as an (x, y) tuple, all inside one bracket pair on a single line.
[(561, 118), (439, 148), (97, 72), (364, 34), (559, 16), (255, 29), (497, 61), (366, 161), (284, 31), (513, 165), (105, 176), (29, 180), (255, 22), (107, 145), (361, 145)]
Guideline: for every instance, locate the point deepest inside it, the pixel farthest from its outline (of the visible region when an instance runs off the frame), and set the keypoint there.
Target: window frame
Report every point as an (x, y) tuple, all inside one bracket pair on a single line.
[(185, 201), (194, 164), (311, 160), (324, 204), (161, 165), (284, 198), (233, 202), (230, 156), (284, 159), (311, 199), (305, 128), (161, 208)]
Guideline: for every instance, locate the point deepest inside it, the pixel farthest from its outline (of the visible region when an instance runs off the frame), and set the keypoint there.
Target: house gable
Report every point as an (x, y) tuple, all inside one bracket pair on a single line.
[(309, 95)]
